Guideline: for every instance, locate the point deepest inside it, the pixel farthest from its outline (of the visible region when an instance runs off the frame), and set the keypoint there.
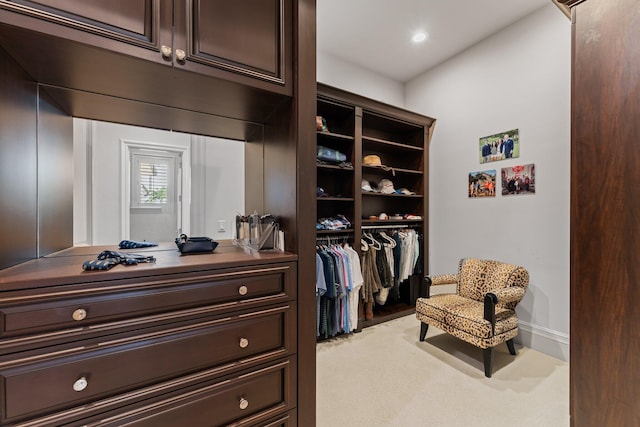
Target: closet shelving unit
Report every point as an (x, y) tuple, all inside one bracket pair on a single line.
[(337, 181), (359, 126)]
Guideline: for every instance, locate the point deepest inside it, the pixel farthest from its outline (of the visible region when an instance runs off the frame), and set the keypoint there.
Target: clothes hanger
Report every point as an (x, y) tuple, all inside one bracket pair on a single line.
[(392, 243), (373, 242)]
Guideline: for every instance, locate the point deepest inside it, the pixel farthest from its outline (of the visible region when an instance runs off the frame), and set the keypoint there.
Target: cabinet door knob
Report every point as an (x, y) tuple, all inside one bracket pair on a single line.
[(79, 314), (244, 403), (244, 343), (166, 51), (243, 290), (80, 384), (181, 55)]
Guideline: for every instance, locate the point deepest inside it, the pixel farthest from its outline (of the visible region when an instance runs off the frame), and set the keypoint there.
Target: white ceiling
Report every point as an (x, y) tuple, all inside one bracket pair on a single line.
[(375, 34)]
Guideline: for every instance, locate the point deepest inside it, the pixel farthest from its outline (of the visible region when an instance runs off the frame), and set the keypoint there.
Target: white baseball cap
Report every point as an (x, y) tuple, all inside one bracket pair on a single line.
[(366, 186), (386, 187)]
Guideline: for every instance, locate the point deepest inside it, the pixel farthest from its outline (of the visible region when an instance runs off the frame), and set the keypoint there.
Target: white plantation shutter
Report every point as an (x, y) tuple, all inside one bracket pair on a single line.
[(153, 180)]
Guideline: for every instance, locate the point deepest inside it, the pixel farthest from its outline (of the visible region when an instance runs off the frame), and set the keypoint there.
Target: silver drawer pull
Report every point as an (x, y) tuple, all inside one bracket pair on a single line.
[(80, 384), (243, 290), (79, 314), (244, 343), (244, 403)]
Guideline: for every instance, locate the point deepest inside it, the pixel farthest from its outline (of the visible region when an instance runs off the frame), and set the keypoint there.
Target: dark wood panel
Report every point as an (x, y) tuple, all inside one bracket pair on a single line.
[(605, 224), (136, 28), (132, 16), (18, 157), (247, 33), (55, 177)]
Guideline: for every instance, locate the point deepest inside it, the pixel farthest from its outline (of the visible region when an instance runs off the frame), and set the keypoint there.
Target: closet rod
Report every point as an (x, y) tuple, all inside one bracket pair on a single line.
[(333, 237), (370, 227)]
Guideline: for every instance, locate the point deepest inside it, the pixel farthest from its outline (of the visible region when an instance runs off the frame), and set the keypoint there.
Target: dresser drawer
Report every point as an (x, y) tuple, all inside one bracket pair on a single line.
[(248, 400), (234, 288), (55, 382)]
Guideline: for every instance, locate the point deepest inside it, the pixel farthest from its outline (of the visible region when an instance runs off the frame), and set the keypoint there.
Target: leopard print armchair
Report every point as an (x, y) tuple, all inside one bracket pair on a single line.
[(482, 311)]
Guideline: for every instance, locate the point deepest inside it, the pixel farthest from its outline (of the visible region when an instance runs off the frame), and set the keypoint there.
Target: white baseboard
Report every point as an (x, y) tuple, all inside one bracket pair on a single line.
[(544, 340)]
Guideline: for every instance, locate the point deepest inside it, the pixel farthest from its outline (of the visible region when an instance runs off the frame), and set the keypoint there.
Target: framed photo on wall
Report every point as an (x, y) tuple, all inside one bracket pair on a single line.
[(518, 180), (482, 184), (500, 146)]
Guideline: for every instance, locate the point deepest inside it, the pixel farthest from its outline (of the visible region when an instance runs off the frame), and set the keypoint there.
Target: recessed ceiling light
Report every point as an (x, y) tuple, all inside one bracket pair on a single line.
[(419, 37)]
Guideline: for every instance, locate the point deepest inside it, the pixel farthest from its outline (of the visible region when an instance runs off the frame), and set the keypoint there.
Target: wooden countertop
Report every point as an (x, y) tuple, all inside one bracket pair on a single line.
[(65, 267)]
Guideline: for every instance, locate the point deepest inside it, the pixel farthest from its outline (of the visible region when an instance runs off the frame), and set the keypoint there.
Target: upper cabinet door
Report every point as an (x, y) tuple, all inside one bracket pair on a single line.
[(135, 27), (248, 39)]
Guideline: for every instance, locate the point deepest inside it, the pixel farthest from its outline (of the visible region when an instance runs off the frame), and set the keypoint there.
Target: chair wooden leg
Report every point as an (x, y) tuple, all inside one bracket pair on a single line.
[(512, 349), (487, 356), (423, 330)]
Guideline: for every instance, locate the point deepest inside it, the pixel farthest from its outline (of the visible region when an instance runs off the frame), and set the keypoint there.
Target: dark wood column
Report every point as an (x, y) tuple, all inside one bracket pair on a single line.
[(605, 214), (305, 111)]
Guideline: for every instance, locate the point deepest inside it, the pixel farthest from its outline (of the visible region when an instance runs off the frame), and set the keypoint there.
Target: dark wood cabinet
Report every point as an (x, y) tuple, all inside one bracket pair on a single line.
[(250, 40), (359, 127), (210, 346)]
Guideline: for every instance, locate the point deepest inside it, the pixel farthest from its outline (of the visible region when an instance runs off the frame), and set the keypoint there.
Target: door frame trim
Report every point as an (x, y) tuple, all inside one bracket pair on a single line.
[(126, 146)]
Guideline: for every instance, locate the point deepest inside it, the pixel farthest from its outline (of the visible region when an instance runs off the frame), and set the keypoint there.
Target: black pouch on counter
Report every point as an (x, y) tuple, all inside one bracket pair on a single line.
[(195, 245)]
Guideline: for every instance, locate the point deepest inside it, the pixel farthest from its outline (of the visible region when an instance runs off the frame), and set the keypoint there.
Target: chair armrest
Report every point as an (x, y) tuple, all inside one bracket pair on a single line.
[(444, 279), (511, 294), (425, 287), (439, 279), (491, 299)]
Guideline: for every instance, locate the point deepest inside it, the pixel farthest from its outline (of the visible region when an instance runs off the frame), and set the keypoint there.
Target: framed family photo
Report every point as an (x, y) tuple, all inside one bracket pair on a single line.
[(501, 146), (518, 180), (482, 184)]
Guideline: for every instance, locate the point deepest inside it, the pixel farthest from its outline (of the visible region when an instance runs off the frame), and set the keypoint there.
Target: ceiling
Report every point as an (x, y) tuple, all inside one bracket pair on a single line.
[(376, 34)]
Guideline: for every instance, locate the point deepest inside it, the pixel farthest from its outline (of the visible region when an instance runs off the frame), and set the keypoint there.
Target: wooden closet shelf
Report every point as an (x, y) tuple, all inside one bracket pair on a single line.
[(332, 135), (378, 169), (390, 144)]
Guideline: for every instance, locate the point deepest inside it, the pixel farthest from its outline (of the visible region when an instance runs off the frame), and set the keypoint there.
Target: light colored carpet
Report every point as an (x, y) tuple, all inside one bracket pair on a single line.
[(384, 377)]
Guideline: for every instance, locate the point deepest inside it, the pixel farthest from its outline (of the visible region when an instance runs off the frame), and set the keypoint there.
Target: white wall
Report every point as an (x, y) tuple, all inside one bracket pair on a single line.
[(517, 78), (97, 207), (344, 75), (225, 184)]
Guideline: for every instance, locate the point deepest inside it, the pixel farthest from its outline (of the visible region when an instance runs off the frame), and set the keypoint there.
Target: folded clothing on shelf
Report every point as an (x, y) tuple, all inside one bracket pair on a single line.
[(339, 222), (330, 155)]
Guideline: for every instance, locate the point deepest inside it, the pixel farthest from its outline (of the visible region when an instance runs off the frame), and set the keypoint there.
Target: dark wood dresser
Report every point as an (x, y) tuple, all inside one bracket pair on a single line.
[(198, 340)]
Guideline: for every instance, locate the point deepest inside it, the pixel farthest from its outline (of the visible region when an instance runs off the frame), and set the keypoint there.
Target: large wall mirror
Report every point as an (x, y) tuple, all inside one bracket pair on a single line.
[(140, 183)]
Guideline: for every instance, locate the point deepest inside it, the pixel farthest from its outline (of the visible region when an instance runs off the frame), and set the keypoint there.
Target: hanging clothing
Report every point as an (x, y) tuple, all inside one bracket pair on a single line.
[(321, 289), (372, 282), (356, 284), (339, 266)]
